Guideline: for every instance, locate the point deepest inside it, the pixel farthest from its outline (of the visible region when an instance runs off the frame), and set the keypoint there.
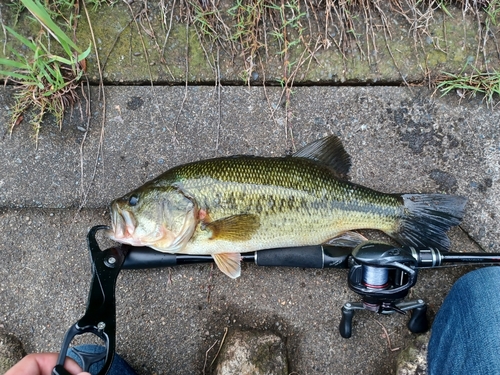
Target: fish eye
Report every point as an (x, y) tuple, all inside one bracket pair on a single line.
[(133, 200)]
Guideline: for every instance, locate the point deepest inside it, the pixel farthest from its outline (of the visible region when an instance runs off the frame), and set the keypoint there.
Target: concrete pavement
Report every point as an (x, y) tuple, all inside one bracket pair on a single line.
[(400, 140)]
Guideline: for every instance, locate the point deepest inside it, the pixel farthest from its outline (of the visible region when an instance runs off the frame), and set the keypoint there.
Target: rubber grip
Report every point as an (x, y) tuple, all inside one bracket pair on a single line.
[(145, 257), (345, 326), (307, 257), (418, 322)]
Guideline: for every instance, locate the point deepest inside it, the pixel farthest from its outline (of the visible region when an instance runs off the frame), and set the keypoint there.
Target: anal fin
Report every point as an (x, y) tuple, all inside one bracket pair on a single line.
[(348, 239), (229, 263)]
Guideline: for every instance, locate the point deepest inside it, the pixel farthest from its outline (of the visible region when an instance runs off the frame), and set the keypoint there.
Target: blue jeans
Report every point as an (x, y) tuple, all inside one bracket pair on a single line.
[(118, 367), (465, 336)]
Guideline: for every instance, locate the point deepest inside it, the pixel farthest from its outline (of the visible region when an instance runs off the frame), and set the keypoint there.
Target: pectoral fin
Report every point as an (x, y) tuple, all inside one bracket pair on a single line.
[(229, 263), (234, 228)]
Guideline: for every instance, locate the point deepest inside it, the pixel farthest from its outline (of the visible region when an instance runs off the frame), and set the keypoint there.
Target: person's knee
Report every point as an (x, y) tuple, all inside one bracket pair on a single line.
[(488, 273), (475, 282)]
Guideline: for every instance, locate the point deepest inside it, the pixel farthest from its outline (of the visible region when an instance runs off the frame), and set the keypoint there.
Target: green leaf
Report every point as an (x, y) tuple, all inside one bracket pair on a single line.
[(39, 12), (14, 64), (60, 59), (28, 43), (15, 75), (84, 54), (52, 73), (443, 7), (42, 72), (18, 55)]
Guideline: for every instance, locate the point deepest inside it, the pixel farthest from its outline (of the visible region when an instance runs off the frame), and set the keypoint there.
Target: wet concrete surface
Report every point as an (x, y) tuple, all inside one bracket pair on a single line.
[(400, 140)]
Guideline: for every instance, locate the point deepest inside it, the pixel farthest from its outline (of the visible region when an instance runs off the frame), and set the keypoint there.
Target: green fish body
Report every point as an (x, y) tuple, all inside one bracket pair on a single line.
[(227, 206)]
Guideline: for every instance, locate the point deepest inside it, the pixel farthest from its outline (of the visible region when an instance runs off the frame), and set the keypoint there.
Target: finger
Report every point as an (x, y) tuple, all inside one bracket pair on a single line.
[(42, 364)]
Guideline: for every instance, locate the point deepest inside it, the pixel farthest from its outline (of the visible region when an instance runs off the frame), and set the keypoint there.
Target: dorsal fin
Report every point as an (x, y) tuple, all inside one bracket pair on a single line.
[(328, 151)]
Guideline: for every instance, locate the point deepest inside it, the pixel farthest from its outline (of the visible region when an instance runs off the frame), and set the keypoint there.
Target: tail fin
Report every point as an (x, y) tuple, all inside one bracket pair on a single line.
[(427, 219)]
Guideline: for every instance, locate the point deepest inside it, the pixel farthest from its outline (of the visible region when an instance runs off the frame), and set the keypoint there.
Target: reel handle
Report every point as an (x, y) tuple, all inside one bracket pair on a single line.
[(418, 322)]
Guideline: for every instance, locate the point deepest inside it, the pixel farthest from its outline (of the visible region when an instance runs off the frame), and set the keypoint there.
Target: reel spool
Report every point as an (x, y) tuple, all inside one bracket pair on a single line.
[(383, 276)]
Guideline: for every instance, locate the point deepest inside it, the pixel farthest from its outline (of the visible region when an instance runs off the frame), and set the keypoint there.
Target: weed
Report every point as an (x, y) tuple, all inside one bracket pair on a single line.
[(204, 19), (45, 81), (250, 29), (55, 8), (247, 18), (17, 7), (487, 84), (96, 4), (493, 12)]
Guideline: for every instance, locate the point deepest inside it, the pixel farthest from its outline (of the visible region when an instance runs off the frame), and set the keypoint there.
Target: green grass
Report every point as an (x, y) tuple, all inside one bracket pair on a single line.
[(96, 4), (487, 84), (45, 82), (471, 82), (204, 19), (249, 26)]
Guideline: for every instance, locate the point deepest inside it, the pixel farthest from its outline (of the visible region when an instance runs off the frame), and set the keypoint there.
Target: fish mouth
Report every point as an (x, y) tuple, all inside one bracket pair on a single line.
[(123, 224), (124, 228), (150, 229)]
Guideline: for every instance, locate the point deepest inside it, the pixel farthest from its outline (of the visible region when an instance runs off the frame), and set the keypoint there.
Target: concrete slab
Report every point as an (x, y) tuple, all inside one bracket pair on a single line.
[(400, 140), (169, 318), (142, 42)]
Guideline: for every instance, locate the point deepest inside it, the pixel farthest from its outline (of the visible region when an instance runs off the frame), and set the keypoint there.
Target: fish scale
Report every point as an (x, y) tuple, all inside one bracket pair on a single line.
[(289, 195)]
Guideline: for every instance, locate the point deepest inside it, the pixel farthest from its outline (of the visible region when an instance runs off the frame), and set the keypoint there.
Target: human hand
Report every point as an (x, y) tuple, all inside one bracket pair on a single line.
[(42, 364)]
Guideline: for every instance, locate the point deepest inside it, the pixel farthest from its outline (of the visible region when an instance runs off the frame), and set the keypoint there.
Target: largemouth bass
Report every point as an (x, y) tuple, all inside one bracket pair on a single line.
[(231, 205)]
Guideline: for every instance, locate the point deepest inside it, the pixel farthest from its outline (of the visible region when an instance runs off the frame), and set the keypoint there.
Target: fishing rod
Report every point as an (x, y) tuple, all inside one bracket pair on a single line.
[(382, 274), (318, 256)]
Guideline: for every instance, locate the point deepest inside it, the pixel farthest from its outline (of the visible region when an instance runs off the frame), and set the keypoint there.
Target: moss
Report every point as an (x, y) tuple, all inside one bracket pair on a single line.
[(264, 359), (448, 45)]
